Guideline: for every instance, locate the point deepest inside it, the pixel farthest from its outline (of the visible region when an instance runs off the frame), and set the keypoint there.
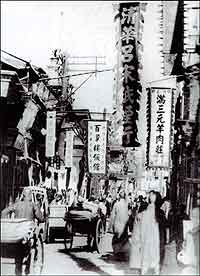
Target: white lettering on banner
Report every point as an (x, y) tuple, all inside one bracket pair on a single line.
[(161, 108), (97, 142), (128, 95), (131, 87), (128, 70), (128, 33), (69, 148), (129, 15), (127, 56), (51, 134)]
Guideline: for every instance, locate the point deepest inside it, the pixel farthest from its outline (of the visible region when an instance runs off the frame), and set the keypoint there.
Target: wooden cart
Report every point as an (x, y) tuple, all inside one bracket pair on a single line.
[(56, 227), (21, 240), (86, 223)]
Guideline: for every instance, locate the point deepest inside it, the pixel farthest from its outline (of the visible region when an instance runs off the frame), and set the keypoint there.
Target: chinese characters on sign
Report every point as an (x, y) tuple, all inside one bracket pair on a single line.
[(160, 126), (97, 143), (69, 148), (51, 134), (129, 13)]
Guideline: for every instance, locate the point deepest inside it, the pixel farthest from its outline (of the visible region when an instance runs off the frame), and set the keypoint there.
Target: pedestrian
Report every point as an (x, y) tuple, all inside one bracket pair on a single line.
[(179, 217), (163, 224), (108, 205), (172, 223), (141, 203), (166, 207), (189, 255), (23, 209), (119, 225), (145, 241), (130, 212), (58, 199)]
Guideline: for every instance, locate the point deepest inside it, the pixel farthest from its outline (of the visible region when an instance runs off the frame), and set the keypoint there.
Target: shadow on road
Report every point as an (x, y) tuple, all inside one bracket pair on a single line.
[(83, 263), (77, 249), (120, 261)]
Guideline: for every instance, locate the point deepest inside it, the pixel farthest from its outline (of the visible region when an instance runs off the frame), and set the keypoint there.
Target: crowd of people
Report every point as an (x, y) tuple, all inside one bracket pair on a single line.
[(141, 228), (141, 225)]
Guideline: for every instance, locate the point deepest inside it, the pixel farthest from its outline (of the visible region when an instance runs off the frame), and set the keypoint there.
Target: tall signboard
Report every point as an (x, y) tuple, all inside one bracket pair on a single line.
[(51, 134), (97, 144), (161, 113), (69, 148), (129, 29)]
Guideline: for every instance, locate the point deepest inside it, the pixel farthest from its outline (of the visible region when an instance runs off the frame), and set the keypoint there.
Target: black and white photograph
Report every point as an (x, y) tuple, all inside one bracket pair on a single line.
[(100, 138)]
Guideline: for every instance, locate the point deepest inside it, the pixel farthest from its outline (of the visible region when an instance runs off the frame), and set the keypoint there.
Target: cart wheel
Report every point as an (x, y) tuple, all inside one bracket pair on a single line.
[(50, 236), (99, 236), (90, 241), (68, 239), (37, 257), (47, 239), (46, 232), (47, 235)]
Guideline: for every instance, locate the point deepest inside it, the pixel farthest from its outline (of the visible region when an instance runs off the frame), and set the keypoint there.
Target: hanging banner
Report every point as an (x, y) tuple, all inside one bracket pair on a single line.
[(69, 148), (73, 182), (130, 18), (97, 143), (62, 174), (160, 132), (51, 134), (25, 124)]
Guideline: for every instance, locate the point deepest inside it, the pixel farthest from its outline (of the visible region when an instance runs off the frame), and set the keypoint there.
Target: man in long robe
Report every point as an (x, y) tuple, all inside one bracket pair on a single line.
[(119, 224)]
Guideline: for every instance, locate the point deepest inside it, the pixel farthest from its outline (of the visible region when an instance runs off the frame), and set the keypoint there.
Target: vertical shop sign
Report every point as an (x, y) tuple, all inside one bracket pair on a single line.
[(160, 127), (69, 148), (97, 143), (51, 134), (129, 18)]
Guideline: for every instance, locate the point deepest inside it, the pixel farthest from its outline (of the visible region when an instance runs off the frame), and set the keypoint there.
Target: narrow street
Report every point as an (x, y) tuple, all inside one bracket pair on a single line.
[(81, 262), (100, 138)]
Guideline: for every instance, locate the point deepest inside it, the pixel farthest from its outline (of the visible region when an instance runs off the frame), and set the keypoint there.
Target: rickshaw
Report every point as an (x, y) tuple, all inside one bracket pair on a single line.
[(85, 223), (22, 238), (56, 226), (39, 196)]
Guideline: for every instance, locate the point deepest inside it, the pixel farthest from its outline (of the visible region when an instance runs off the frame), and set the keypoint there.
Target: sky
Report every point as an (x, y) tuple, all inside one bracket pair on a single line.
[(32, 29)]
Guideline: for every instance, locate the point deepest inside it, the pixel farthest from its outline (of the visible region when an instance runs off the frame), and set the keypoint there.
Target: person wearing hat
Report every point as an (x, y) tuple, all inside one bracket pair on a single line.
[(58, 199)]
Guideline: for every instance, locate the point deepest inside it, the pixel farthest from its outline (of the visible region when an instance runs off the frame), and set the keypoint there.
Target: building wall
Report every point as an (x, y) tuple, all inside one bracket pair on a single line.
[(186, 164)]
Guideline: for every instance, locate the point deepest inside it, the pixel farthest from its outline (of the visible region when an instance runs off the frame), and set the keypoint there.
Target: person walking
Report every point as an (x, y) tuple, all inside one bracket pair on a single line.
[(166, 207), (119, 225), (179, 217), (146, 241)]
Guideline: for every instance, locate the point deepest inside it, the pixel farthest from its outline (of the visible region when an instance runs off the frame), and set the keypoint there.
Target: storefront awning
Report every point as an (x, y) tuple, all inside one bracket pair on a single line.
[(8, 77)]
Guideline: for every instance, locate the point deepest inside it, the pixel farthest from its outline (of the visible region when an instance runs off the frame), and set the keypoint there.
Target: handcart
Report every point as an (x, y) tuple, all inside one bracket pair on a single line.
[(56, 227), (21, 241), (86, 223)]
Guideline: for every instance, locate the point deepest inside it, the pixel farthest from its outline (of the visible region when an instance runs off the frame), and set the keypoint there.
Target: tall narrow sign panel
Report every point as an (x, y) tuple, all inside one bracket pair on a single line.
[(97, 143), (129, 23), (51, 134), (160, 126), (69, 148)]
